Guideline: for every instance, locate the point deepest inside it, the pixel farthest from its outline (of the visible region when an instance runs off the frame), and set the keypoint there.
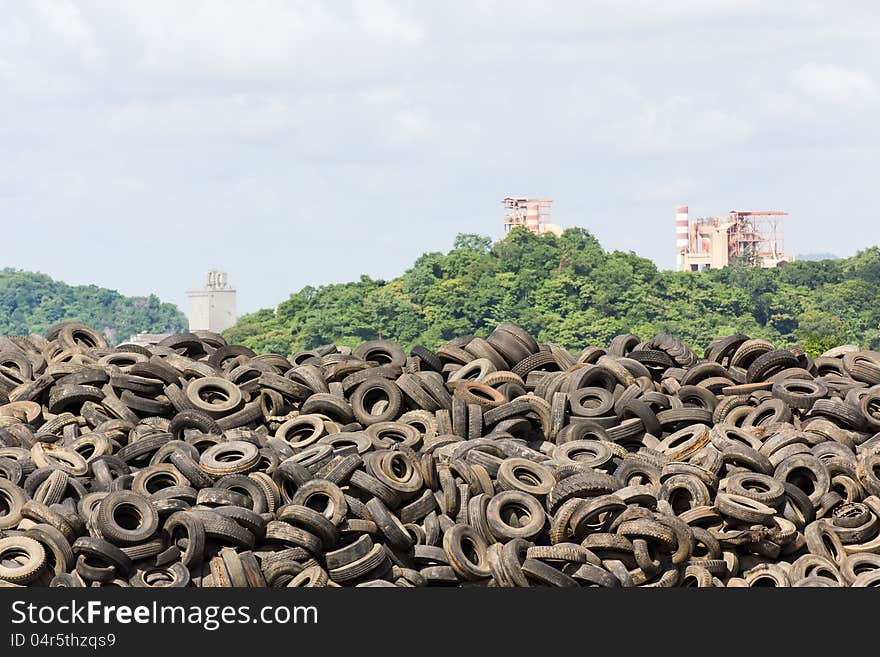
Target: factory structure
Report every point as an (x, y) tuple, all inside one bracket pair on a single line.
[(700, 243), (212, 308), (530, 213), (711, 242)]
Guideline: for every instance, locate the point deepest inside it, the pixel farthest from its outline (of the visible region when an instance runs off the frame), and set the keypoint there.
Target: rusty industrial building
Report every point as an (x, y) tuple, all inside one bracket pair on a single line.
[(712, 242)]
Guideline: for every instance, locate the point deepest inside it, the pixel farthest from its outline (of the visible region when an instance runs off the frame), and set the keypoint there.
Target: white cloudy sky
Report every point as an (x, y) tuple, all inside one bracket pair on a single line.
[(296, 143)]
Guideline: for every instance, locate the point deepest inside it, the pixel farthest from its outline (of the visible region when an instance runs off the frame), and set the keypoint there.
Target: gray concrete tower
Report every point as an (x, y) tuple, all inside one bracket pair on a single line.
[(212, 308)]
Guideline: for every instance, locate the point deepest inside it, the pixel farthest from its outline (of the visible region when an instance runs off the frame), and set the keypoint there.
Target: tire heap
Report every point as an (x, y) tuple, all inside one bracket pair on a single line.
[(497, 461)]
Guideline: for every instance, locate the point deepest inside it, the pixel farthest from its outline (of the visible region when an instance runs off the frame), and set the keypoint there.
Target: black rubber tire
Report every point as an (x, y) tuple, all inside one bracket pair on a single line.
[(365, 395), (214, 396), (463, 563), (523, 336), (13, 499), (508, 346), (793, 469), (540, 360), (799, 393), (527, 476), (769, 363), (840, 412), (13, 570), (229, 457), (190, 469), (427, 357), (286, 534), (390, 525), (67, 397), (136, 510), (327, 494), (312, 521), (381, 351), (744, 509), (224, 530), (374, 561), (193, 419), (500, 508), (756, 486), (546, 575), (104, 551), (193, 540), (330, 405), (174, 575), (583, 485)]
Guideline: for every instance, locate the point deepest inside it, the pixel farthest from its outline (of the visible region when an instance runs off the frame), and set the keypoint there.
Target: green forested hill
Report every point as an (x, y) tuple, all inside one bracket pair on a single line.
[(570, 291), (32, 302)]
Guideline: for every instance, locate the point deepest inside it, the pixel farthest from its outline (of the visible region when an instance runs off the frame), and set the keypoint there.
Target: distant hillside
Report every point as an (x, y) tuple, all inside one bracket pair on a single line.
[(31, 302), (569, 290), (815, 257)]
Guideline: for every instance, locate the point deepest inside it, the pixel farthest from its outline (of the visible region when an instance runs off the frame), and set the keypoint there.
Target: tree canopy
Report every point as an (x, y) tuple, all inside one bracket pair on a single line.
[(569, 290), (32, 302)]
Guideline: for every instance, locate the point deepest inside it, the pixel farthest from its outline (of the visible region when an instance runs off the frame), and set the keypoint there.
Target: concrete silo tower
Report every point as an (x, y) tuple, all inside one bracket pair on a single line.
[(212, 308)]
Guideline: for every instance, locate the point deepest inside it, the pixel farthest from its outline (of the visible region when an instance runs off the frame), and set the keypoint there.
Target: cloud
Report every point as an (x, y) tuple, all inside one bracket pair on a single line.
[(616, 111), (263, 38), (675, 124), (575, 15), (665, 190), (821, 94), (66, 22), (381, 19), (680, 123), (589, 97), (836, 86), (193, 118), (305, 119)]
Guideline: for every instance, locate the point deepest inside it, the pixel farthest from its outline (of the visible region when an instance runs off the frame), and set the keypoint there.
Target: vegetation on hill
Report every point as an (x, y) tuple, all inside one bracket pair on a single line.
[(32, 302), (570, 291), (817, 256)]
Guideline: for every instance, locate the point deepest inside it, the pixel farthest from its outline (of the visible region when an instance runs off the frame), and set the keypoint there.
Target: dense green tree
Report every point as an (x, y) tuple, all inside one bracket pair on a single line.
[(472, 242), (819, 331), (568, 290), (865, 265), (32, 302)]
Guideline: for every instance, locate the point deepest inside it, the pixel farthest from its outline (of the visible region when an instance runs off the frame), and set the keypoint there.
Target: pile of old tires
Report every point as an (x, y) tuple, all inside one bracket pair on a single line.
[(492, 461)]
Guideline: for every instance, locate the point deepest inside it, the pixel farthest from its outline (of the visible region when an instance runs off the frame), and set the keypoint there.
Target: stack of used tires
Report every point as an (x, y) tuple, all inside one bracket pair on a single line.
[(493, 461)]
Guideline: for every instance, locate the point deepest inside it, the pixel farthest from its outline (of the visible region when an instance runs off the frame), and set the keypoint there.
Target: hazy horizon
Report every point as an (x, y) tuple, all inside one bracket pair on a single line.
[(296, 144)]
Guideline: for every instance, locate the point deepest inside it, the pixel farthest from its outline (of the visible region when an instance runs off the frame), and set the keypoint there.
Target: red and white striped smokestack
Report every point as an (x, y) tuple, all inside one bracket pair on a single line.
[(681, 236), (681, 229), (533, 216)]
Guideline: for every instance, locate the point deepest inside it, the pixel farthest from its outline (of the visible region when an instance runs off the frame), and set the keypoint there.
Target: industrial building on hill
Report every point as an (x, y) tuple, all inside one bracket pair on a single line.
[(712, 242), (530, 213)]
